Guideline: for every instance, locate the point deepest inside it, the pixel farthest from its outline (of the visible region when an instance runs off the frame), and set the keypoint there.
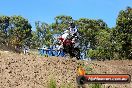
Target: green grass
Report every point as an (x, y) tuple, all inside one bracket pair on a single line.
[(52, 84), (96, 85), (67, 86)]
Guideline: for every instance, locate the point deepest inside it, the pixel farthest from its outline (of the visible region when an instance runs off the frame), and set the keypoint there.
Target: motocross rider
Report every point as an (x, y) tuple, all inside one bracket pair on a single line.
[(71, 31), (63, 38), (74, 34)]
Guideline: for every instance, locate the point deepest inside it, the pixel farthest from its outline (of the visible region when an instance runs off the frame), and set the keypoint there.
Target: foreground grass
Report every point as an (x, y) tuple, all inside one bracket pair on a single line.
[(52, 84)]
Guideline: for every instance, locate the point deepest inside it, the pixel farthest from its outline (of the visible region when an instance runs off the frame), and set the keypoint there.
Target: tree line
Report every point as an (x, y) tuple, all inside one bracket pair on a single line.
[(100, 41)]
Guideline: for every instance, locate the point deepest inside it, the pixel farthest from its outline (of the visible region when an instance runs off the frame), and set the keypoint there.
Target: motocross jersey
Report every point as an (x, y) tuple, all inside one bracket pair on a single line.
[(63, 37)]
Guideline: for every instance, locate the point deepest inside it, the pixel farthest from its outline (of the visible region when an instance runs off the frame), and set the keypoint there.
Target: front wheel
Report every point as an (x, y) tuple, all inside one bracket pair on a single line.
[(77, 53)]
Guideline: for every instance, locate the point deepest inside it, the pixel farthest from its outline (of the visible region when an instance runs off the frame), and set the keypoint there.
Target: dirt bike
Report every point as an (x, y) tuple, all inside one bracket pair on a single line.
[(68, 48)]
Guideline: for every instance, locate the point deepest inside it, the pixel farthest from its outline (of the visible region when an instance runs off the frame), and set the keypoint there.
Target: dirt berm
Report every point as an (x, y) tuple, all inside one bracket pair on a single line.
[(30, 71)]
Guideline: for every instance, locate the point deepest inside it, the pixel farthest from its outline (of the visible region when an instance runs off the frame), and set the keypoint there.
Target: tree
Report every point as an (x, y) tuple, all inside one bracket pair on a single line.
[(61, 23), (44, 34), (123, 33), (19, 32), (88, 30), (34, 40), (104, 48), (4, 26)]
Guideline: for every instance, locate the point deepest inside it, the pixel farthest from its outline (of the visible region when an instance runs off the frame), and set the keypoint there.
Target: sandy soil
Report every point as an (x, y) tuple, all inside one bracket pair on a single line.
[(20, 71)]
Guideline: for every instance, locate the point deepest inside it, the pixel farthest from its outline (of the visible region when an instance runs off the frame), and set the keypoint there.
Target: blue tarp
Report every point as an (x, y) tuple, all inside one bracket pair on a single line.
[(51, 52)]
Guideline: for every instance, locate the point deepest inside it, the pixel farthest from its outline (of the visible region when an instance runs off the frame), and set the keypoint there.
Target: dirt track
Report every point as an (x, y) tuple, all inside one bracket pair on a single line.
[(20, 71)]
